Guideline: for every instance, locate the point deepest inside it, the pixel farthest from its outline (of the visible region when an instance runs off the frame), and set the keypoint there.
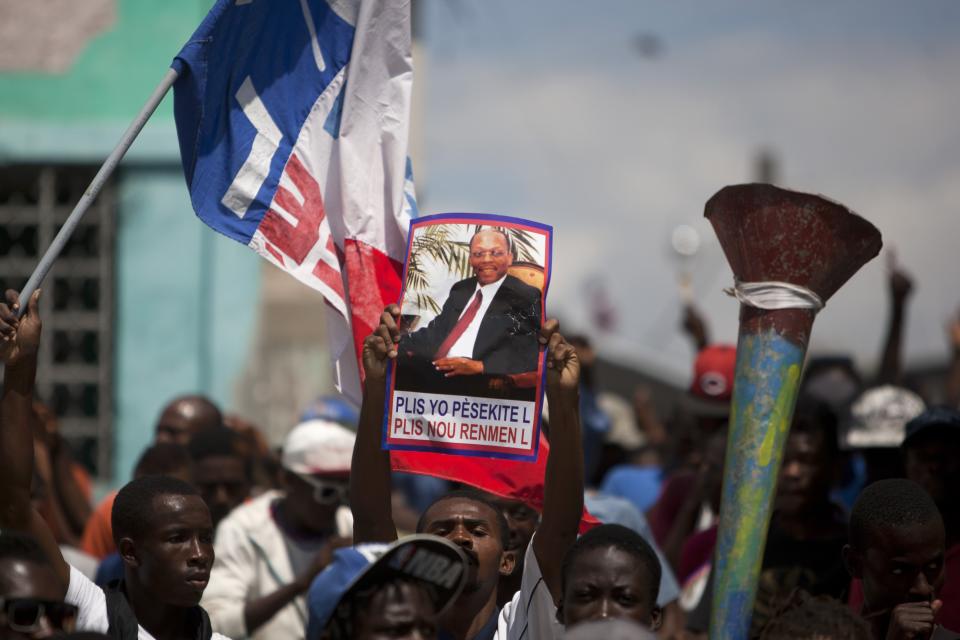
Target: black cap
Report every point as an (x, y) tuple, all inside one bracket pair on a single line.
[(939, 419)]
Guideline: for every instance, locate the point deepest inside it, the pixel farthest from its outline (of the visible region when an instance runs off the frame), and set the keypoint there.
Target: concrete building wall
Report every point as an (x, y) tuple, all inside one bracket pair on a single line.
[(185, 298)]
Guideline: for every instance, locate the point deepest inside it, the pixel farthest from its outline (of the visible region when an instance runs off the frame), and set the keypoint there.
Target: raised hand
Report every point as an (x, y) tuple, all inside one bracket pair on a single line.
[(381, 345), (563, 365), (901, 285), (19, 337), (321, 560)]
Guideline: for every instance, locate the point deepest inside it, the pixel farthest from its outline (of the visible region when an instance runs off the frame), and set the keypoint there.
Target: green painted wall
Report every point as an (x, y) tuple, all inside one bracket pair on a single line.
[(112, 77), (186, 301), (185, 296)]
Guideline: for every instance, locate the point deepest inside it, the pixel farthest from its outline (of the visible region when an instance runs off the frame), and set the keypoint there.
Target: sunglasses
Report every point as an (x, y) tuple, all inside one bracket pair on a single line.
[(325, 492), (25, 615)]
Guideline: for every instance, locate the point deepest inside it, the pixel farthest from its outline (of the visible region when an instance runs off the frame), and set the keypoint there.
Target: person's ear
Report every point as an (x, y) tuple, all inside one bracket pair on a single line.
[(853, 561), (656, 618), (508, 561), (128, 552)]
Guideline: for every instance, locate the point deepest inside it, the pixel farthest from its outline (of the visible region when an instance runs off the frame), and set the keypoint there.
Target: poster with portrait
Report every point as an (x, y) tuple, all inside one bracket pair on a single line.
[(469, 374)]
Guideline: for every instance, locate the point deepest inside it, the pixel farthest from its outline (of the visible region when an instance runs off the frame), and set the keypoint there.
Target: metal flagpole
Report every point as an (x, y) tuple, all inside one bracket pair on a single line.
[(53, 251)]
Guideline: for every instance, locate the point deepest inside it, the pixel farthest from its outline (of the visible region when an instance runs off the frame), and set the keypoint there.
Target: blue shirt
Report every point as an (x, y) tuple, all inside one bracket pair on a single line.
[(639, 485)]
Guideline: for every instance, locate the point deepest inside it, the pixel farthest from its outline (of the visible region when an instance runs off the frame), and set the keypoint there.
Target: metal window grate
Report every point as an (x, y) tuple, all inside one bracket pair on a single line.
[(75, 367)]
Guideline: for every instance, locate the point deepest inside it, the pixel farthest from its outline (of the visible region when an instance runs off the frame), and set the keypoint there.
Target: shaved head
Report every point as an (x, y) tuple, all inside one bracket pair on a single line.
[(184, 416)]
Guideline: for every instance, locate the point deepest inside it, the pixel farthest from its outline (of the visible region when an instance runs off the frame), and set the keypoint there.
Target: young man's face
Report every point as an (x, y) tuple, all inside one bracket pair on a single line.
[(401, 611), (805, 473), (489, 256), (473, 527), (901, 564), (521, 520), (175, 556), (608, 582), (222, 482)]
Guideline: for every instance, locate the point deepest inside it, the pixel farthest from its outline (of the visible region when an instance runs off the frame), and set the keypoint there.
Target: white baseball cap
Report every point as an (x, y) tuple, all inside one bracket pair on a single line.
[(879, 417), (318, 447)]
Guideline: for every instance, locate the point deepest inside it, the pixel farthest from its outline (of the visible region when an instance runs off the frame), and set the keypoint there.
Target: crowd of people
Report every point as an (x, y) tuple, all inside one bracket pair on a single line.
[(218, 536)]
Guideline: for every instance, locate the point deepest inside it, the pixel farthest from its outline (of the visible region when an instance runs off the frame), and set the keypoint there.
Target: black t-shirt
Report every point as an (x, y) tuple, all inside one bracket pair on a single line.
[(816, 566)]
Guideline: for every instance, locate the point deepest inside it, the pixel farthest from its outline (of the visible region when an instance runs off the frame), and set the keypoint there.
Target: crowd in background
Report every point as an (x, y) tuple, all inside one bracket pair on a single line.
[(312, 541)]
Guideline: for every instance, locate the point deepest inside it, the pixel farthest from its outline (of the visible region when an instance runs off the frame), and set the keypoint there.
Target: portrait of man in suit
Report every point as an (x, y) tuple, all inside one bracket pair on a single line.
[(484, 340)]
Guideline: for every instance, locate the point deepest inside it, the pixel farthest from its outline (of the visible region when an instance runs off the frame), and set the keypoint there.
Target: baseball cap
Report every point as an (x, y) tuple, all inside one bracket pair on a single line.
[(713, 372), (318, 447), (878, 418), (431, 561), (712, 385), (332, 408), (935, 419)]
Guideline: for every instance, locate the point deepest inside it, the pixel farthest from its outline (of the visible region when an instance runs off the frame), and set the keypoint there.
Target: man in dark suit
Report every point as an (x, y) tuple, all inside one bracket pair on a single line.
[(485, 335)]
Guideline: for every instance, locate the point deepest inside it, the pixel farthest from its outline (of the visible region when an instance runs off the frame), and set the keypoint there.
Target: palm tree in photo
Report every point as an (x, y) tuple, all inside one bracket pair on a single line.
[(435, 244)]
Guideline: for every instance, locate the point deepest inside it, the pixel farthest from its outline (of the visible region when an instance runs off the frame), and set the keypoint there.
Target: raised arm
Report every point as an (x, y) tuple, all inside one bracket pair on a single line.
[(18, 352), (890, 365), (695, 327), (563, 484), (370, 486)]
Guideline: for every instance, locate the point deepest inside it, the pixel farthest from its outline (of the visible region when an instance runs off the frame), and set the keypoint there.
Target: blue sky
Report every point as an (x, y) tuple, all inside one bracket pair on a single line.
[(547, 110)]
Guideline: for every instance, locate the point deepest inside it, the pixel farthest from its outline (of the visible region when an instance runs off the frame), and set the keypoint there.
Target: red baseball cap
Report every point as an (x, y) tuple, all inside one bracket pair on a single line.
[(713, 373)]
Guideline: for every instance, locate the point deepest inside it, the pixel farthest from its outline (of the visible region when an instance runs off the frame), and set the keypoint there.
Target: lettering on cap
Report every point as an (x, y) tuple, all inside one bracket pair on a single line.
[(430, 567)]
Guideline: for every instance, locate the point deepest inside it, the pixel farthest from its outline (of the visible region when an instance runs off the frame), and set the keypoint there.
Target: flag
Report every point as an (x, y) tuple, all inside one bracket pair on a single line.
[(293, 118)]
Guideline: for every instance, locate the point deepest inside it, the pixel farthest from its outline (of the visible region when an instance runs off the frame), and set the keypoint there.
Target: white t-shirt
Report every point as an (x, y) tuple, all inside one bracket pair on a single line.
[(92, 607), (530, 614)]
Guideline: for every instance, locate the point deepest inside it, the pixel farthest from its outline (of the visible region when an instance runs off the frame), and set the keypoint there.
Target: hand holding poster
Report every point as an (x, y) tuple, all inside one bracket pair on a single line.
[(468, 377)]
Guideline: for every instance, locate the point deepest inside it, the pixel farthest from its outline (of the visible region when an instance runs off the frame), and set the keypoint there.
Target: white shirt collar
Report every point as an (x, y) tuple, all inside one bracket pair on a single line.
[(490, 290)]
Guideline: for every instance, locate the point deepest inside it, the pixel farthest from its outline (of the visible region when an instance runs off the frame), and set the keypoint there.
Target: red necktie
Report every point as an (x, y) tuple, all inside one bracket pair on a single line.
[(461, 325)]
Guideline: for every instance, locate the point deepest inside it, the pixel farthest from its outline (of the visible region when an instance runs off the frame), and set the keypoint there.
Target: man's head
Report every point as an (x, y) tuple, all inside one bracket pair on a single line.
[(521, 519), (931, 450), (610, 572), (711, 388), (476, 525), (185, 416), (165, 459), (897, 544), (809, 459), (395, 609), (163, 531), (316, 459), (805, 617), (376, 591), (609, 629), (221, 473), (490, 255), (31, 595)]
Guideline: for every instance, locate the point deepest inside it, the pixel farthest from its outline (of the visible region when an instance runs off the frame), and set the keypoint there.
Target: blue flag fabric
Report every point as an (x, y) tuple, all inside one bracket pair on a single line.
[(249, 77)]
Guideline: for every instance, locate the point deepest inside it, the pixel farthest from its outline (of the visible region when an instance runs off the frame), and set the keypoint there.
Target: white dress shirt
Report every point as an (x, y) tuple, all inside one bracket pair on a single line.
[(463, 347)]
